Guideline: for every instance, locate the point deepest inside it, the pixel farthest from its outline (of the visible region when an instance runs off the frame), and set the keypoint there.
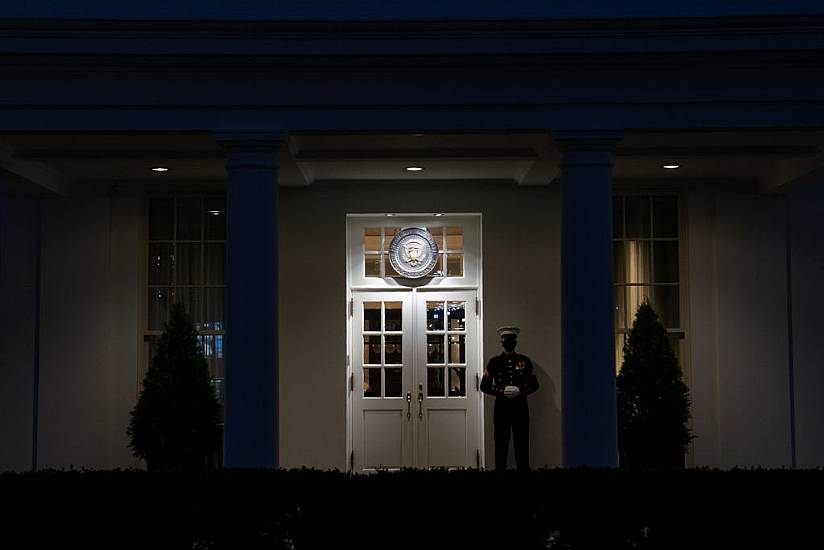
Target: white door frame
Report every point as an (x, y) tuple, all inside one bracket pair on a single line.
[(420, 423), (387, 414), (472, 281), (443, 448)]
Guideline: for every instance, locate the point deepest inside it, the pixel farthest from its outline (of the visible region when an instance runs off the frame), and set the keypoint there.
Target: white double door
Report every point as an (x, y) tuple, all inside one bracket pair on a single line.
[(415, 397)]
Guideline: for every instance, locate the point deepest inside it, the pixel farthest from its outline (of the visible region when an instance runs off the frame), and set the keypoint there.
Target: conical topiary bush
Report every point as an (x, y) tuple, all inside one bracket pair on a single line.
[(653, 401), (174, 424)]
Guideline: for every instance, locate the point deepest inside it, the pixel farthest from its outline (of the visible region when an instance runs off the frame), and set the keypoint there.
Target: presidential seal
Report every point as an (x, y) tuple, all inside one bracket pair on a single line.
[(413, 253)]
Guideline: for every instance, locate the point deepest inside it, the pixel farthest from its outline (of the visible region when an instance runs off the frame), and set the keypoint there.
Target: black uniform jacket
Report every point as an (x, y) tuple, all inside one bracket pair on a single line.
[(509, 369)]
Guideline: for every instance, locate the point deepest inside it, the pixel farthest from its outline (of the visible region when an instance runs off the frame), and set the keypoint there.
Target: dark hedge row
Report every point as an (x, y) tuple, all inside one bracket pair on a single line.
[(306, 509)]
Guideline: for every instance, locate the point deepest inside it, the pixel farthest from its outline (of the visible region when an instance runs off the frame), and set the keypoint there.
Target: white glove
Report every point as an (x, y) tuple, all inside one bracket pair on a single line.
[(511, 392)]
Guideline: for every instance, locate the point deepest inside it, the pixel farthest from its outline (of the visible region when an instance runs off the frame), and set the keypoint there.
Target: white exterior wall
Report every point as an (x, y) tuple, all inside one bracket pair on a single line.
[(18, 299), (521, 239), (807, 252), (752, 336), (89, 330), (738, 330), (91, 319), (702, 327)]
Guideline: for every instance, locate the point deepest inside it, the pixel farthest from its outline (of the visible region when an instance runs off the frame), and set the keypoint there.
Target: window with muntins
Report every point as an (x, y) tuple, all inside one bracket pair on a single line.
[(646, 264), (186, 256), (376, 241)]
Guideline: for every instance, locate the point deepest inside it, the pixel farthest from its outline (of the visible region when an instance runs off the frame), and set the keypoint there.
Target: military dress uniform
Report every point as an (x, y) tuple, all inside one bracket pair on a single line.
[(510, 369)]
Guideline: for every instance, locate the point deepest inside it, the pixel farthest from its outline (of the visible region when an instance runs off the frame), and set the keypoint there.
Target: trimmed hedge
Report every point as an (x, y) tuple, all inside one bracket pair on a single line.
[(307, 509)]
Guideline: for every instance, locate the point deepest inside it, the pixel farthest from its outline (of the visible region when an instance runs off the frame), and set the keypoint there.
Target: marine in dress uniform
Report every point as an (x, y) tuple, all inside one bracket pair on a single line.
[(510, 378)]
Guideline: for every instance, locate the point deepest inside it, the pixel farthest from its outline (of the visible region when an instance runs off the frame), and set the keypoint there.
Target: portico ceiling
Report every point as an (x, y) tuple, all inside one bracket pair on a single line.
[(66, 164)]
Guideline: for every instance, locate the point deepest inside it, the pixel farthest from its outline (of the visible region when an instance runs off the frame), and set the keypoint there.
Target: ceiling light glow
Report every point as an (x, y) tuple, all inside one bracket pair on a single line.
[(414, 168), (672, 166), (160, 169)]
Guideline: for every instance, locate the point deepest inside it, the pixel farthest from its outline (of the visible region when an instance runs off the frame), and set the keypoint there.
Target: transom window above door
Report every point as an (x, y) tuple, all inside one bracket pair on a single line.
[(376, 242), (456, 237)]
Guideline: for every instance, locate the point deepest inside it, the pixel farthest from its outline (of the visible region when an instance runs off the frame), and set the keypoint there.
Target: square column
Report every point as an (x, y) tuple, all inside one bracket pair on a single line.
[(589, 416), (251, 408)]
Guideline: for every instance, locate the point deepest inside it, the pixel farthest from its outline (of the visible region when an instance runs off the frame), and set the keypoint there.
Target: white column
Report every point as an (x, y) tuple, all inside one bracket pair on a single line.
[(587, 316), (251, 408)]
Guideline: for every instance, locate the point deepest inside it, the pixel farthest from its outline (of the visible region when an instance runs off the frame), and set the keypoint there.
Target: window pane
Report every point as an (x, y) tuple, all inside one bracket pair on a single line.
[(637, 261), (215, 309), (619, 262), (372, 239), (192, 298), (618, 217), (394, 351), (206, 344), (372, 382), (219, 343), (372, 350), (161, 219), (665, 303), (434, 382), (454, 265), (160, 264), (219, 387), (457, 315), (434, 349), (666, 261), (388, 269), (635, 297), (454, 238), (188, 219), (371, 316), (215, 218), (218, 363), (434, 315), (393, 313), (675, 343), (620, 307), (619, 352), (394, 382), (437, 234), (457, 348), (457, 382), (214, 258), (372, 266), (665, 216), (153, 341), (159, 300), (187, 264), (438, 269), (638, 217), (389, 234)]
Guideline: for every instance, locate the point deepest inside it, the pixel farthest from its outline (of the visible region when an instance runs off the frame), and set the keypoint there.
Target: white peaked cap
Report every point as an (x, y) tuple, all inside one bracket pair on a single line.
[(508, 330)]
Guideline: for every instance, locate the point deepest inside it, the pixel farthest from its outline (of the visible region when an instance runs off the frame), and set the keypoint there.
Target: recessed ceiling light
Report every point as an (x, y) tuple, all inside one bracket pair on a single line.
[(414, 168), (215, 212), (160, 169), (389, 215), (438, 215), (672, 166)]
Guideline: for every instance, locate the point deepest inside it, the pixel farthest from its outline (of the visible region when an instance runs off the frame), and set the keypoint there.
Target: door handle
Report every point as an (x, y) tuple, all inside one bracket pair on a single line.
[(420, 401), (408, 405)]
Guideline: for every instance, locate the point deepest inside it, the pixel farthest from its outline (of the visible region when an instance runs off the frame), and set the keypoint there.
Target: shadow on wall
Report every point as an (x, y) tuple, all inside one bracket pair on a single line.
[(544, 426), (544, 423)]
